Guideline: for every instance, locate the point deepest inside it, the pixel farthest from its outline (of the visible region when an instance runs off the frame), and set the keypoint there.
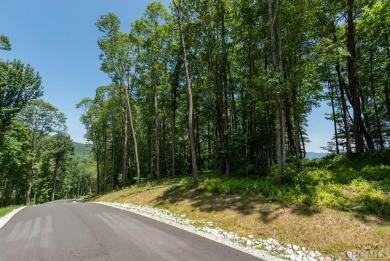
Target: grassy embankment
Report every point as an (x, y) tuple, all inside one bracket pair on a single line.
[(332, 205), (6, 210)]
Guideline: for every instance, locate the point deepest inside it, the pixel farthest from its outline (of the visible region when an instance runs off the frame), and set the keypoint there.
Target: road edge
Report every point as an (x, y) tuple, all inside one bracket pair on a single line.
[(251, 251), (4, 220)]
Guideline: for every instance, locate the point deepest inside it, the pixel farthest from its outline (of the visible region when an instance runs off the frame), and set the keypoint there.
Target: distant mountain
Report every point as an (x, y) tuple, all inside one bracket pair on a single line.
[(82, 149), (316, 155)]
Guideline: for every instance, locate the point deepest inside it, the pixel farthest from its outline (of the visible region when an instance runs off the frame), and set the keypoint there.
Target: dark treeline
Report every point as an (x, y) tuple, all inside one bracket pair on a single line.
[(36, 161), (239, 77)]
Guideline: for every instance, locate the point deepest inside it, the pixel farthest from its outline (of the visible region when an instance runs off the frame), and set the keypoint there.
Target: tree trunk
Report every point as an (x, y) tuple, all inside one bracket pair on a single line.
[(352, 78), (30, 184), (129, 110), (157, 132), (151, 158), (334, 116), (290, 136), (225, 116), (125, 139), (175, 86), (387, 87), (105, 160), (55, 179), (33, 159), (377, 119), (97, 170), (189, 93), (113, 178), (296, 118), (344, 108), (279, 113), (303, 144)]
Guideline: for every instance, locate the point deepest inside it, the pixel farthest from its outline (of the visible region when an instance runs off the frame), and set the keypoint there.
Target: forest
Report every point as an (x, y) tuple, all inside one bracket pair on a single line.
[(226, 86), (222, 87), (37, 159)]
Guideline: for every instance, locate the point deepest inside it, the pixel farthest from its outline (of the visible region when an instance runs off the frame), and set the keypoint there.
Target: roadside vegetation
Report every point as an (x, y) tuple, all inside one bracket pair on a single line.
[(37, 161), (341, 182), (207, 111), (335, 204), (6, 210)]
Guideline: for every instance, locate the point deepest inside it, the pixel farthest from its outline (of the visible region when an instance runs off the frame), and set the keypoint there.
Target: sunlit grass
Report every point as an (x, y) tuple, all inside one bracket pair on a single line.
[(333, 205), (6, 210)]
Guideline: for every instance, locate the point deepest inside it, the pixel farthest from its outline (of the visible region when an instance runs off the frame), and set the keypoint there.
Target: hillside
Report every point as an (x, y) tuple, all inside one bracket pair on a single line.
[(326, 203), (316, 155), (82, 149)]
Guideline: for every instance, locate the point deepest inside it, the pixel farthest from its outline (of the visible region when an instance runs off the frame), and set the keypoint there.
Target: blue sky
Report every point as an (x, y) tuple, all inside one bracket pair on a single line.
[(59, 39)]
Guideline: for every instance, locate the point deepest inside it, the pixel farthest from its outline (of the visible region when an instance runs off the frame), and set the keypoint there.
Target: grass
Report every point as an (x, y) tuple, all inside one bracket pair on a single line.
[(6, 210), (333, 205)]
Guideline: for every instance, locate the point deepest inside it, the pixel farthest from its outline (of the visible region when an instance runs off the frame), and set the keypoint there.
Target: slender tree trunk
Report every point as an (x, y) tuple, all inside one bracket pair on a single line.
[(225, 116), (279, 113), (157, 133), (33, 159), (377, 119), (366, 131), (125, 142), (303, 143), (55, 179), (334, 117), (387, 93), (175, 86), (78, 187), (97, 170), (344, 108), (105, 160), (113, 162), (30, 182), (233, 106), (151, 158), (290, 134), (352, 78), (387, 83), (189, 92), (133, 132), (332, 97), (296, 117), (198, 144)]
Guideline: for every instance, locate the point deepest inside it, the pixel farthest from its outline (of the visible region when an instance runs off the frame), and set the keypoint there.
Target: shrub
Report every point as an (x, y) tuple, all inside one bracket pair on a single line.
[(339, 182), (330, 195), (379, 172), (375, 203)]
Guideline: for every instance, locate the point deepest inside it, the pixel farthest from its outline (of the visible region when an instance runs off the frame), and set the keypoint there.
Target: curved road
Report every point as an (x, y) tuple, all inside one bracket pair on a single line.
[(64, 230)]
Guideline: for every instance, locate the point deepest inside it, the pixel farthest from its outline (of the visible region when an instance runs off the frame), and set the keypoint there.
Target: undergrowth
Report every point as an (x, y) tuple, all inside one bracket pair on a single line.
[(342, 182), (6, 210)]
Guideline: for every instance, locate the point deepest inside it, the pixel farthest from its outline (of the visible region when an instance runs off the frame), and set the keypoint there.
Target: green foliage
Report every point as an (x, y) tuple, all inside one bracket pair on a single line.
[(239, 68), (4, 43), (82, 149), (5, 211), (19, 84), (336, 182)]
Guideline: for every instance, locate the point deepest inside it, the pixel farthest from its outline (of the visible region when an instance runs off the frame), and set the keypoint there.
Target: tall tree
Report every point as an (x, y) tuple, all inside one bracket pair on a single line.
[(189, 93), (117, 62), (353, 80), (42, 119), (61, 146), (18, 85), (277, 69)]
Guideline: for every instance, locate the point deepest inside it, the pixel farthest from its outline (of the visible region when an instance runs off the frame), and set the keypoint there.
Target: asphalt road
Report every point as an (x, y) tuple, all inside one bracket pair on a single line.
[(64, 230)]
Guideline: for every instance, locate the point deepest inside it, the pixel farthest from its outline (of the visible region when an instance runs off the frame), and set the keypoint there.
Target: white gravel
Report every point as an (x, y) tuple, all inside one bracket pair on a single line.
[(267, 249), (6, 218)]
